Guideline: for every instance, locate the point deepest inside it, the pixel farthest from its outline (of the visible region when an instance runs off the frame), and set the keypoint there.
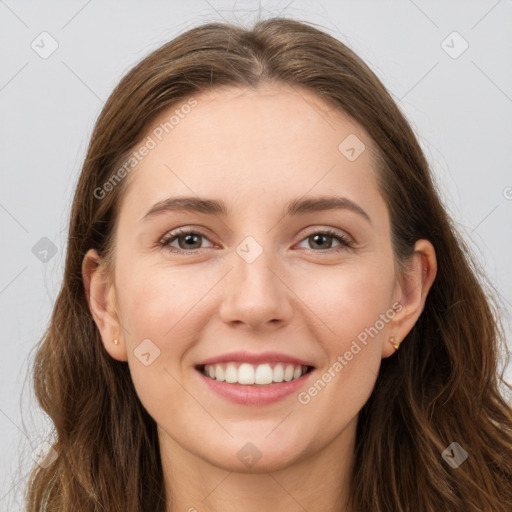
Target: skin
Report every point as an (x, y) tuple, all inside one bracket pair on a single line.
[(255, 150)]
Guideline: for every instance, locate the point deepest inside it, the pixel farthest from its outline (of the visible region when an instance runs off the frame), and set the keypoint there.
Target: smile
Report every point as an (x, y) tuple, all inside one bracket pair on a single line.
[(254, 384), (254, 374)]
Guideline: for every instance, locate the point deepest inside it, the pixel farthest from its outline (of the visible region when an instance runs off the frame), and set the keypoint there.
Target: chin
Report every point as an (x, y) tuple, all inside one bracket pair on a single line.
[(255, 457)]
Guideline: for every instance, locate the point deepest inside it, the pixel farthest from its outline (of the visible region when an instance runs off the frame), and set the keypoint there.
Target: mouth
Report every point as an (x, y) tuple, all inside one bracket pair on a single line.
[(267, 374), (254, 379)]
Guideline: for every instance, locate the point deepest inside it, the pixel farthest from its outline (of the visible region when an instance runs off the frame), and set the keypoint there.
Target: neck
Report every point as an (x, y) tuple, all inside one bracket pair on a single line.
[(318, 482)]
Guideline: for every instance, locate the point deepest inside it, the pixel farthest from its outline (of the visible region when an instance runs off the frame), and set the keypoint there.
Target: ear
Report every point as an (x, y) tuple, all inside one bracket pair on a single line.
[(413, 288), (100, 294)]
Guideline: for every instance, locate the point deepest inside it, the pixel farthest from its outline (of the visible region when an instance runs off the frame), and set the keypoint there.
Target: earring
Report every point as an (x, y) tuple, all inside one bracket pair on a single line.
[(116, 342), (396, 344)]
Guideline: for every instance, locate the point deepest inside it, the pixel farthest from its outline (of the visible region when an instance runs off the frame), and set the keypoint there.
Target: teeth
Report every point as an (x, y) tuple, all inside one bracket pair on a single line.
[(219, 373), (249, 374), (264, 374), (231, 373), (278, 373), (288, 373), (246, 374)]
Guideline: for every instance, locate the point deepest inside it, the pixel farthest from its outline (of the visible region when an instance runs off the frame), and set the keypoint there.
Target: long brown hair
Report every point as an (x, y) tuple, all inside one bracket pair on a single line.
[(443, 384)]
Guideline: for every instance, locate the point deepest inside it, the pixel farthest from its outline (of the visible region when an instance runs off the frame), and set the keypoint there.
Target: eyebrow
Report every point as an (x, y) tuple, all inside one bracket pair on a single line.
[(293, 208)]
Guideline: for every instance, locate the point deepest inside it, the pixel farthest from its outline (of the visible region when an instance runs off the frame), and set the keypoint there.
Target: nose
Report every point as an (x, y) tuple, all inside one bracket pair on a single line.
[(255, 294)]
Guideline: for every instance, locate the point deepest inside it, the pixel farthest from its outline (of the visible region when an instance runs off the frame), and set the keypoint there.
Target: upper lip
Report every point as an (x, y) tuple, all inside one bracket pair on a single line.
[(252, 358)]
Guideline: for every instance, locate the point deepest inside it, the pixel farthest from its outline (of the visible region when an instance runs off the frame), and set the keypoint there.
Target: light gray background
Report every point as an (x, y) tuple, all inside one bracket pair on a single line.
[(459, 107)]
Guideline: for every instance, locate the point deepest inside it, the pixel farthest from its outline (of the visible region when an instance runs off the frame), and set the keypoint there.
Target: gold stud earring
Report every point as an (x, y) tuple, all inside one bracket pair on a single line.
[(116, 342), (396, 344)]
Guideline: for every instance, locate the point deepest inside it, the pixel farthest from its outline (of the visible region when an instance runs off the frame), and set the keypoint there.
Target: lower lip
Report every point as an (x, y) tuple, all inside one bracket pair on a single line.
[(255, 395)]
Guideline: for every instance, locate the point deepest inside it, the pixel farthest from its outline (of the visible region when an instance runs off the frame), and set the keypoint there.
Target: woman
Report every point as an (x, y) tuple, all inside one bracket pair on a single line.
[(265, 304)]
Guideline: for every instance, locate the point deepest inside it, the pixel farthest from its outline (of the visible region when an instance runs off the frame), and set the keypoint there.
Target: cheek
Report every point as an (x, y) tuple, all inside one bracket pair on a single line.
[(160, 324), (350, 300), (356, 308), (155, 298), (336, 304), (338, 307)]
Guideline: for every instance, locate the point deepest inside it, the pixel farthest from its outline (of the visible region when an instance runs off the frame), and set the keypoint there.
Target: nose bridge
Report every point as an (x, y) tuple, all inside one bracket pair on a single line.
[(253, 292), (252, 262)]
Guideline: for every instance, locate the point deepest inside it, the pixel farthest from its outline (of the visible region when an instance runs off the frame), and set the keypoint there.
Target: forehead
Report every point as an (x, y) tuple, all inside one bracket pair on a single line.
[(274, 142)]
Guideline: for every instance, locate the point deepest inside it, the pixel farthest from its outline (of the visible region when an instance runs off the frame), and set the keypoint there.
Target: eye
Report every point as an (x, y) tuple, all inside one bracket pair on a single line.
[(188, 240), (322, 240)]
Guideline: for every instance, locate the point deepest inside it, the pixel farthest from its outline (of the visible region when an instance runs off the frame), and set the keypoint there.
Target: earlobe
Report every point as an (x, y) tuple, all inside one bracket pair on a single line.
[(415, 285), (100, 294)]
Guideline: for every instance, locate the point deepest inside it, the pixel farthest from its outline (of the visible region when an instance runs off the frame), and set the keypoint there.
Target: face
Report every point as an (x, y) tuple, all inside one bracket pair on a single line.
[(269, 284)]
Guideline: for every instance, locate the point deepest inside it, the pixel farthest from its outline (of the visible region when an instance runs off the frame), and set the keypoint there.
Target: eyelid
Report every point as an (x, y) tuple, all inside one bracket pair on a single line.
[(311, 230), (345, 240), (184, 230)]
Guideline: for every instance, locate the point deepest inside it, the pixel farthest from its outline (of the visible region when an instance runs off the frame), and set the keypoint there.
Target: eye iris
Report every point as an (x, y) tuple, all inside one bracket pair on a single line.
[(187, 238), (320, 236)]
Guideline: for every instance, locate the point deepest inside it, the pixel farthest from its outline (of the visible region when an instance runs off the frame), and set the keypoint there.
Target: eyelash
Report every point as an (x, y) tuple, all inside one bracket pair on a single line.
[(345, 242)]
